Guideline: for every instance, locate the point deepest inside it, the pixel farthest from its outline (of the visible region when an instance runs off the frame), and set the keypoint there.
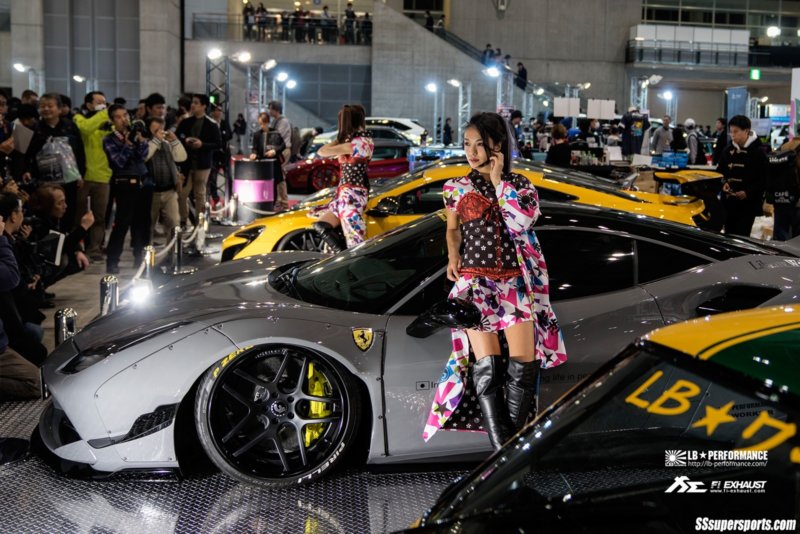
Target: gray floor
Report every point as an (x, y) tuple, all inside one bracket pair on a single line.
[(36, 499)]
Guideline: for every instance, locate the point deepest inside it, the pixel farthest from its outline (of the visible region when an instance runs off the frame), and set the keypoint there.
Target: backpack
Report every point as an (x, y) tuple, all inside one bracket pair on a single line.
[(296, 141), (700, 158), (783, 182)]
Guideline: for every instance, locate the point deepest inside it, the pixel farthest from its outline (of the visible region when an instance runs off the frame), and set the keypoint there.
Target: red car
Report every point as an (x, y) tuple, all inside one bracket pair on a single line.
[(390, 158)]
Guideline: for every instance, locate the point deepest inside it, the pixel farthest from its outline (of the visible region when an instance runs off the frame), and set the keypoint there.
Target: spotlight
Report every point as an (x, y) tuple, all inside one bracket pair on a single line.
[(214, 53), (269, 64), (431, 87), (243, 56), (492, 72), (454, 82), (773, 31), (546, 103), (19, 67), (291, 84), (282, 76), (78, 78), (667, 95), (539, 91)]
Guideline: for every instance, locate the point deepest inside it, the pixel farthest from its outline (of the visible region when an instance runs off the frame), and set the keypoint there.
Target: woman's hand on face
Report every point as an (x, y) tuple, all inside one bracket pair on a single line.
[(453, 267), (496, 161)]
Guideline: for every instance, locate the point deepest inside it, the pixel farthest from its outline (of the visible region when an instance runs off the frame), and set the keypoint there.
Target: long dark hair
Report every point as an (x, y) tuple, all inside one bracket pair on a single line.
[(493, 126), (352, 119)]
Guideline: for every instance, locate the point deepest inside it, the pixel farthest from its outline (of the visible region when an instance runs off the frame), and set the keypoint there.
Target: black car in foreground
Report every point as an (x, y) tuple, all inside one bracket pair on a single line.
[(691, 429)]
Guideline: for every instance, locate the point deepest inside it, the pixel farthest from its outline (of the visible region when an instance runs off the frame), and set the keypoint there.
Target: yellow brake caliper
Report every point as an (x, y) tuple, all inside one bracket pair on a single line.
[(319, 387)]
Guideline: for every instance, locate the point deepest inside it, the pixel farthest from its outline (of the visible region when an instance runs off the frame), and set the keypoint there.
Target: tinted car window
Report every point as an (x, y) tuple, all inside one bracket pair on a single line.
[(436, 291), (554, 196), (385, 134), (655, 261), (422, 200), (385, 152), (582, 263), (372, 277)]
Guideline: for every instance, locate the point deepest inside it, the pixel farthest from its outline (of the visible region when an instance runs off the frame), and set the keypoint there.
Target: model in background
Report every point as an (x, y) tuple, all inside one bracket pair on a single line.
[(353, 148)]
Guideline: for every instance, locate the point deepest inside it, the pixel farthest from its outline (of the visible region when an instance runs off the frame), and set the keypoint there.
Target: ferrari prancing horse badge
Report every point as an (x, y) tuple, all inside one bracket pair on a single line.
[(363, 338)]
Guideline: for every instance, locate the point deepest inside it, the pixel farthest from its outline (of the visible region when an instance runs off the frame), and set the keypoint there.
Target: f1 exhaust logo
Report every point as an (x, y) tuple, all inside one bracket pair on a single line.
[(684, 485)]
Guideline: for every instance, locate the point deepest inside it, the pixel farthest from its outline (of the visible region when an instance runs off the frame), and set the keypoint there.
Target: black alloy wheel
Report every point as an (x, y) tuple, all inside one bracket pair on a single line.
[(302, 240), (276, 416)]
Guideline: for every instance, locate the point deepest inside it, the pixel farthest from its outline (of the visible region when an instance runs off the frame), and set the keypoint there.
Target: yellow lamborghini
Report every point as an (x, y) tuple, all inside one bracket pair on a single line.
[(396, 201)]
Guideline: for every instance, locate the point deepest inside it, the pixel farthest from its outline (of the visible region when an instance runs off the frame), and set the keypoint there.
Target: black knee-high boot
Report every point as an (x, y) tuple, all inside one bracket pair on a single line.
[(328, 235), (489, 376), (520, 390)]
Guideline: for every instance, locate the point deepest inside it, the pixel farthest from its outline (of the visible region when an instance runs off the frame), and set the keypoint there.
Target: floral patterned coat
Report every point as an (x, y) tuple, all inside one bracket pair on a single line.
[(519, 205)]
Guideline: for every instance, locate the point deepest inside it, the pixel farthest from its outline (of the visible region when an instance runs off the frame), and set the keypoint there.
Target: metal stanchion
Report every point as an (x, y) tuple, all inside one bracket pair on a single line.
[(233, 209), (66, 320), (109, 294), (208, 218), (200, 248), (177, 257), (149, 262)]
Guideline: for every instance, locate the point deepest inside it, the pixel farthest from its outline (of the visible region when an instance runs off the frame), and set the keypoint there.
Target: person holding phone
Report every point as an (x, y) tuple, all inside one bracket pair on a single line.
[(497, 265)]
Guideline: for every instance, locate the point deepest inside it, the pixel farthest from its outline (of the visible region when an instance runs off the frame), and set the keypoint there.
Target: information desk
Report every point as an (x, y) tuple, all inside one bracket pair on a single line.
[(254, 184)]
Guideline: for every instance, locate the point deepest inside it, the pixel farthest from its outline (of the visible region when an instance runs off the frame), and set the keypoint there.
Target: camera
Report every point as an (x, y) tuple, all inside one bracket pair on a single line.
[(137, 127)]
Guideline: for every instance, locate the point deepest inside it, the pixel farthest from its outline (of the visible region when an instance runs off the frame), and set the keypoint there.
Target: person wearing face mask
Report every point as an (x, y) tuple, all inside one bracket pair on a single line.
[(94, 125), (743, 165), (497, 265), (52, 125)]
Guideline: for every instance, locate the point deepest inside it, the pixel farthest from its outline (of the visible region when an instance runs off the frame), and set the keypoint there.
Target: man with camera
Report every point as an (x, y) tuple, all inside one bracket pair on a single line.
[(201, 137), (126, 149)]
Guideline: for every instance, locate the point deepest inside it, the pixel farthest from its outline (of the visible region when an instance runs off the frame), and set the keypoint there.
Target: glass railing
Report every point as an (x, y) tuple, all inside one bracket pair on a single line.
[(277, 28), (710, 54)]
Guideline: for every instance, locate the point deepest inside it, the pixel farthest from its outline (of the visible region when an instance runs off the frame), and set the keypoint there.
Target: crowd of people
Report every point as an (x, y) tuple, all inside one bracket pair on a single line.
[(304, 26), (71, 175)]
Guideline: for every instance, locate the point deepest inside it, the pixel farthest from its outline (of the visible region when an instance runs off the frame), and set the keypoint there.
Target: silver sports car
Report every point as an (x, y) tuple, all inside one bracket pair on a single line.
[(277, 366)]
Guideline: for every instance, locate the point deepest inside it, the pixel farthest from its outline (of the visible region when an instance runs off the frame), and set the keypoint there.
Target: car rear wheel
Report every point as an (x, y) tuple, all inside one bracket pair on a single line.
[(277, 416), (322, 177)]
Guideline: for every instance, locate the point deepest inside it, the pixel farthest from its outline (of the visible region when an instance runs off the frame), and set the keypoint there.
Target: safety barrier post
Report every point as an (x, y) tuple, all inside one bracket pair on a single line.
[(66, 320), (177, 256), (109, 294), (149, 262)]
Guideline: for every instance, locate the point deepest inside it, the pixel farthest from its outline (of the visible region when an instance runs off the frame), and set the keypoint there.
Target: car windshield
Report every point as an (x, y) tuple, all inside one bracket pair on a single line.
[(640, 423), (371, 277)]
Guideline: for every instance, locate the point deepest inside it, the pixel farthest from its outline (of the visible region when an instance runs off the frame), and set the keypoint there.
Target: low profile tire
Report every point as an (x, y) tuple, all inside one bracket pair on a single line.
[(307, 239), (277, 416)]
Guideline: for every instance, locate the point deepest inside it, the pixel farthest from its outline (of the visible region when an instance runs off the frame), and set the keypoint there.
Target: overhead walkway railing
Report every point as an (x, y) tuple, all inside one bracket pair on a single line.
[(276, 28), (692, 53)]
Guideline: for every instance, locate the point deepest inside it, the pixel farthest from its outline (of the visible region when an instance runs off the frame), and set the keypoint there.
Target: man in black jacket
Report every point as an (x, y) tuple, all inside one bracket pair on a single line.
[(743, 164), (19, 378), (201, 138)]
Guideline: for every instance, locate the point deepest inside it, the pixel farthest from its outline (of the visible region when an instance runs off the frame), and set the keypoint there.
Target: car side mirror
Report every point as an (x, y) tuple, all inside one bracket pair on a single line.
[(386, 206), (451, 313)]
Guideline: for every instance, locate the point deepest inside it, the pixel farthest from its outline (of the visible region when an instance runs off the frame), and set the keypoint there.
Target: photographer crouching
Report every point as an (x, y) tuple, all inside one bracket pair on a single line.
[(126, 149)]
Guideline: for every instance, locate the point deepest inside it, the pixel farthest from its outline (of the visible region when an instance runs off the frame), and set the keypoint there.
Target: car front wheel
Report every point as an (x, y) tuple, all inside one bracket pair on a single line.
[(276, 416)]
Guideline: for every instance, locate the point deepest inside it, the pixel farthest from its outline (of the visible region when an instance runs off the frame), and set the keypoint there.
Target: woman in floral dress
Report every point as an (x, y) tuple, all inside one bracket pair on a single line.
[(497, 264), (353, 148)]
